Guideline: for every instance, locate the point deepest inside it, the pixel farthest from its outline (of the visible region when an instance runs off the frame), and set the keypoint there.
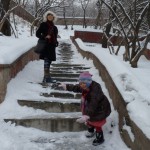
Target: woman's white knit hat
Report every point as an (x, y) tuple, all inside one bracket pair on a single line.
[(49, 12)]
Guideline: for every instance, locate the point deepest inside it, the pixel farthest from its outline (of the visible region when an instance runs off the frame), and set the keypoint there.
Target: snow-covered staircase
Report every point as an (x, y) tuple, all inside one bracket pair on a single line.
[(62, 115), (57, 107)]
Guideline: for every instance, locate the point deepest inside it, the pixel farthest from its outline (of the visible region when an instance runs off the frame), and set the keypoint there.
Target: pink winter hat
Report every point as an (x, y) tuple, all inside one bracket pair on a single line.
[(85, 77)]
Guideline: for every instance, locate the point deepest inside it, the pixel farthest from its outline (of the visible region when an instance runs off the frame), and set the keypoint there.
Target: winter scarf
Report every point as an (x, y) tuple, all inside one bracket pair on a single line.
[(52, 40), (83, 101)]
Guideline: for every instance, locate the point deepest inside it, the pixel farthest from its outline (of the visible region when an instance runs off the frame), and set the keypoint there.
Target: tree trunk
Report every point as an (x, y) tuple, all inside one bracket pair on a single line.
[(104, 39), (65, 21), (97, 21), (135, 61), (133, 47), (6, 30), (138, 55), (84, 21), (126, 55), (148, 14)]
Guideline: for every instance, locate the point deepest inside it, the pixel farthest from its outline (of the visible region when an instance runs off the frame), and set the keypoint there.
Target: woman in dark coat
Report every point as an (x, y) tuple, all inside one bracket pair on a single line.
[(48, 31), (95, 106)]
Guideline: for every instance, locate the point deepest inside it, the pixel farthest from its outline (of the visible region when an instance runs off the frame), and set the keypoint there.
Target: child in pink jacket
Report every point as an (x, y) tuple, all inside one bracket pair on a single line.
[(95, 106)]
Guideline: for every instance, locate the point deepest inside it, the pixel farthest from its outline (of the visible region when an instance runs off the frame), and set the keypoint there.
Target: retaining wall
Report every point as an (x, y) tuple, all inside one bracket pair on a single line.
[(141, 142), (9, 71), (95, 37)]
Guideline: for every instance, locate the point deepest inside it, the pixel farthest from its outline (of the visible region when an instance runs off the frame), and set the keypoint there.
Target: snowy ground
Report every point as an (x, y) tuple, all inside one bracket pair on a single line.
[(17, 137)]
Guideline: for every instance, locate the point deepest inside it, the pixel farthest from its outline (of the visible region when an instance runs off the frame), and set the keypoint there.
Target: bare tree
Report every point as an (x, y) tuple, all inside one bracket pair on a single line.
[(73, 14), (84, 4), (5, 26), (129, 19), (6, 8), (99, 17), (23, 3), (144, 42), (63, 6), (105, 38)]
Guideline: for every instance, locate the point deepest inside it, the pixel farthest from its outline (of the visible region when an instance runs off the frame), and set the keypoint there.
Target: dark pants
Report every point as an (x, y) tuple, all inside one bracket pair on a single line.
[(47, 64)]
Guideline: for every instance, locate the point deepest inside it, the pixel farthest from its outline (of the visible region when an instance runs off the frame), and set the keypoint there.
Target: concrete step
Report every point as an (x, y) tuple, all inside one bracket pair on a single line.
[(64, 60), (66, 75), (53, 85), (65, 45), (66, 56), (67, 65), (50, 124), (61, 71), (65, 79), (70, 68), (54, 107), (62, 95), (57, 80), (67, 53), (64, 71)]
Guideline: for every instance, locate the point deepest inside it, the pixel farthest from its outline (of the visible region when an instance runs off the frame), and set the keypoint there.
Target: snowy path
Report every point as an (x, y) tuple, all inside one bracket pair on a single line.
[(21, 138)]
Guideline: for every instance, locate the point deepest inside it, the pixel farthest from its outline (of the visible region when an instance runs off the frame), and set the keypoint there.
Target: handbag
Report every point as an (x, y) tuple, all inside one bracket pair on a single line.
[(41, 46)]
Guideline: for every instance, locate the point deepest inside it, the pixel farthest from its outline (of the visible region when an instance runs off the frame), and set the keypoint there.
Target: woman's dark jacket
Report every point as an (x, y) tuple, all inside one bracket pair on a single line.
[(97, 105), (41, 33)]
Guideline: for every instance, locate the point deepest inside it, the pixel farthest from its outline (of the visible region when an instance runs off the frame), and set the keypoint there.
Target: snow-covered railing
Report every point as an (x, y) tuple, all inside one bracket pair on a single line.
[(139, 140), (9, 71), (96, 37)]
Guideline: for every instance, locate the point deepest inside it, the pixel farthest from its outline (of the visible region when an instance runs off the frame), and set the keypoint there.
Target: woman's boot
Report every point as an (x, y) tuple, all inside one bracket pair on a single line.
[(47, 77)]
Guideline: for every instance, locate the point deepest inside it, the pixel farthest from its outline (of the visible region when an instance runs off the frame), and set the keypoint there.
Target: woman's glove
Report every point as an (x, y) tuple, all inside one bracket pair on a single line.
[(48, 37), (83, 119), (63, 85)]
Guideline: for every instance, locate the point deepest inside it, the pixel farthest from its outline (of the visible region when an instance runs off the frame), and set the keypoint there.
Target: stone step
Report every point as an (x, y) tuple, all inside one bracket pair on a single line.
[(60, 52), (65, 79), (67, 65), (66, 50), (66, 75), (66, 56), (61, 71), (62, 95), (53, 85), (50, 124), (70, 68), (65, 45), (64, 71), (65, 61), (57, 80), (57, 107)]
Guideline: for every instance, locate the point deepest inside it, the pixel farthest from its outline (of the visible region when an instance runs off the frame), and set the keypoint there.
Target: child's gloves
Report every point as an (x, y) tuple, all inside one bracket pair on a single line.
[(83, 119), (63, 85)]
